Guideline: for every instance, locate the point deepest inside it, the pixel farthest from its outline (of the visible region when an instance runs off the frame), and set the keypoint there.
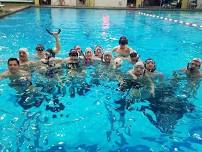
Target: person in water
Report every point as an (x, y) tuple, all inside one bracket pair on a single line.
[(41, 50), (21, 81), (134, 57), (89, 57), (138, 82), (78, 49), (13, 72), (25, 64), (122, 49), (150, 69), (98, 52), (188, 78), (192, 70)]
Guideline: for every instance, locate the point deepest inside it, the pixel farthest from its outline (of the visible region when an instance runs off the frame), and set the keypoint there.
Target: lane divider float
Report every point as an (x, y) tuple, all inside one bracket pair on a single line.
[(171, 20)]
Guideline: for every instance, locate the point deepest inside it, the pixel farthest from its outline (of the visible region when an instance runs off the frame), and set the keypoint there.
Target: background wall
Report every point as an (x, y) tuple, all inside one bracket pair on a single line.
[(64, 2), (110, 3), (199, 3)]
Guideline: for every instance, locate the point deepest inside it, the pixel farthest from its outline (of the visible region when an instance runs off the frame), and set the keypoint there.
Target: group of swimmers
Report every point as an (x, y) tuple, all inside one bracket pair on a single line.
[(142, 75)]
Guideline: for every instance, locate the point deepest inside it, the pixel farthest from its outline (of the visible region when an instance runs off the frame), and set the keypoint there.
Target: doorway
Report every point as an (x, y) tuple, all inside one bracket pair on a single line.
[(131, 3)]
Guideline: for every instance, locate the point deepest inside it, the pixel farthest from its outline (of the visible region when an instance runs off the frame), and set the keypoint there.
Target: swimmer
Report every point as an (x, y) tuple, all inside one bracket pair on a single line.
[(123, 50), (98, 52), (78, 49), (192, 70), (150, 69), (41, 50), (13, 71), (139, 82), (89, 56), (72, 62), (23, 55), (107, 58), (134, 57)]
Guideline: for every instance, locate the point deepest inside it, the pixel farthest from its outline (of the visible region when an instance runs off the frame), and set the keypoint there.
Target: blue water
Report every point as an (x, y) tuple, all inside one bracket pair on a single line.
[(91, 123)]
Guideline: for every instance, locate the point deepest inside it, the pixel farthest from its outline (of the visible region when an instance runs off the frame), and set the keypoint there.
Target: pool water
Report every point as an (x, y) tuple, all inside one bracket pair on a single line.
[(91, 122)]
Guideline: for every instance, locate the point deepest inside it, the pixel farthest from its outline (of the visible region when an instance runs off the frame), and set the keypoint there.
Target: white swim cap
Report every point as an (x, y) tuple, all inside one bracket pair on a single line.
[(24, 50), (139, 63), (197, 60)]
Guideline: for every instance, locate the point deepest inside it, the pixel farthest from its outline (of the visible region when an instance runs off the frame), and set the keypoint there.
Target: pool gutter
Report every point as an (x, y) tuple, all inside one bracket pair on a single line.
[(12, 11)]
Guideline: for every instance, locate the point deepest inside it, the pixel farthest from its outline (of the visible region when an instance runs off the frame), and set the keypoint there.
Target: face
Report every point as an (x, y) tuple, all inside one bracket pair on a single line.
[(40, 51), (194, 65), (98, 52), (23, 56), (89, 53), (73, 56), (13, 67), (149, 65), (51, 61), (138, 70), (78, 48), (107, 58)]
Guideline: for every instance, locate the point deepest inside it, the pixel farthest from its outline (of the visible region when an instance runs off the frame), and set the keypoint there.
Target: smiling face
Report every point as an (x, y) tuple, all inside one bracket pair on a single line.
[(194, 65), (98, 52), (107, 58), (149, 65), (13, 66), (23, 57), (89, 53)]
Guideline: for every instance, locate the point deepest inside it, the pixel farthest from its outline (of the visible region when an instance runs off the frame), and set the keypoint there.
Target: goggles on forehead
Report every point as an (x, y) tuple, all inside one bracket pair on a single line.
[(149, 61)]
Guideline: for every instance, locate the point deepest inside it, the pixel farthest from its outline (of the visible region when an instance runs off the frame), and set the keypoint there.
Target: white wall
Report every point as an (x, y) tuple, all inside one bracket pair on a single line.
[(199, 3), (110, 3), (65, 2)]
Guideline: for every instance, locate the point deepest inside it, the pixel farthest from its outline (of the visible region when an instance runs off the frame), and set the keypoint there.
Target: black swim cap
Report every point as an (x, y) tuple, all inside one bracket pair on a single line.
[(123, 40)]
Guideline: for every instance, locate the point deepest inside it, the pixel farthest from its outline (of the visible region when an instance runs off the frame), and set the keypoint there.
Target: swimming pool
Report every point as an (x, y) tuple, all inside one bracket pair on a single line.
[(90, 122)]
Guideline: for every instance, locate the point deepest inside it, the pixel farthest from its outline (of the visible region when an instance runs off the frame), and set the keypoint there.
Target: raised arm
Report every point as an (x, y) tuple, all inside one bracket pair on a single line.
[(57, 42)]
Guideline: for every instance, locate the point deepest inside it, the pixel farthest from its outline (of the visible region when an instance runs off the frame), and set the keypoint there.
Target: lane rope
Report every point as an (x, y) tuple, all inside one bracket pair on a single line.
[(171, 20)]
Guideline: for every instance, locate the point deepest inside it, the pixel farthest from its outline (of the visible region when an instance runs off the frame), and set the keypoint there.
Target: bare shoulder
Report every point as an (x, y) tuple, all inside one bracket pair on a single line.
[(115, 49), (4, 75)]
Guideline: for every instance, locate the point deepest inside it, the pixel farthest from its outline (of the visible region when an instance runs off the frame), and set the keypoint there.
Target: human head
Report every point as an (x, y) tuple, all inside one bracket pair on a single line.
[(40, 48), (134, 56), (73, 54), (88, 53), (194, 64), (23, 55), (123, 40), (107, 57), (139, 68), (118, 62), (150, 65), (77, 48), (51, 52), (98, 51), (13, 65)]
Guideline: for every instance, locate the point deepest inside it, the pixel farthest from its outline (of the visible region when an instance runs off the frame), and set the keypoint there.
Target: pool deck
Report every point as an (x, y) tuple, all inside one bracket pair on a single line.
[(10, 8)]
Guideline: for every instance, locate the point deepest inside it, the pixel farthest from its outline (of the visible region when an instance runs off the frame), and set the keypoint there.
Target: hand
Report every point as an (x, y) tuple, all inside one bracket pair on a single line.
[(55, 34)]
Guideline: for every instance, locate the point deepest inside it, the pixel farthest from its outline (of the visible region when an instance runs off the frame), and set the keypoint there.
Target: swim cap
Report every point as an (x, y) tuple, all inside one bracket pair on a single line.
[(24, 50), (197, 60), (118, 61), (139, 63), (123, 40)]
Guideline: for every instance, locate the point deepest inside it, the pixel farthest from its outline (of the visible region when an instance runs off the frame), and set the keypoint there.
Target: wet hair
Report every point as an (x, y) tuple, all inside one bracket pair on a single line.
[(150, 59), (123, 40), (13, 59), (73, 52), (40, 47), (51, 52)]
